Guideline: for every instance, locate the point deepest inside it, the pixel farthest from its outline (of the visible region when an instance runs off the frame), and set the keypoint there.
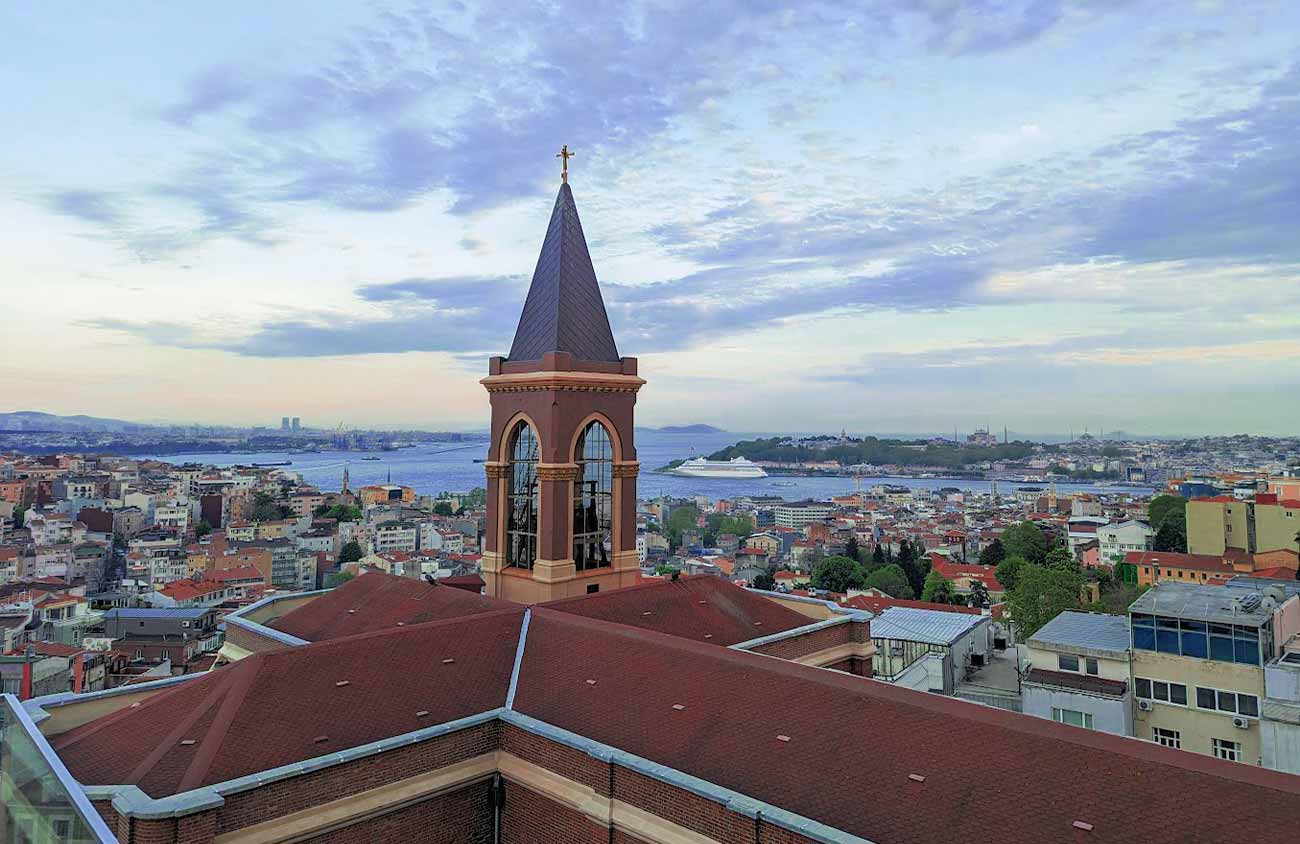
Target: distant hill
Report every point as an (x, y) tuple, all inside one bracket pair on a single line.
[(689, 429), (30, 420)]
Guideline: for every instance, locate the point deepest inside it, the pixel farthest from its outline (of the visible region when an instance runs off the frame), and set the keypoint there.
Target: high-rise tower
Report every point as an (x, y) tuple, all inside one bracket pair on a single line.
[(562, 467)]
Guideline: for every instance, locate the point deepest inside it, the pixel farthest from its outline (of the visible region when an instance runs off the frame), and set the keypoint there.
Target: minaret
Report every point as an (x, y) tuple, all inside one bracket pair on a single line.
[(562, 467), (345, 479)]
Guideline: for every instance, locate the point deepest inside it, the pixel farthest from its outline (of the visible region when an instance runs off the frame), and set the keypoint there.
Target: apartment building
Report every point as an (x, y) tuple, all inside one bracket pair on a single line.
[(797, 514), (1116, 540), (1223, 522), (1197, 664), (1077, 672)]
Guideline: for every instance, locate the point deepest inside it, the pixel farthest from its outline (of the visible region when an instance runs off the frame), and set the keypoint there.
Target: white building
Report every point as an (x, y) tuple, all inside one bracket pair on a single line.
[(800, 513), (1078, 672), (928, 650), (1114, 541)]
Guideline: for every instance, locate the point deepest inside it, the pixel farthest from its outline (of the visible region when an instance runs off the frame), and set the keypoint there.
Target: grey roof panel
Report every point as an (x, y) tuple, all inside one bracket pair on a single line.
[(564, 311), (1094, 631), (912, 624), (1203, 603)]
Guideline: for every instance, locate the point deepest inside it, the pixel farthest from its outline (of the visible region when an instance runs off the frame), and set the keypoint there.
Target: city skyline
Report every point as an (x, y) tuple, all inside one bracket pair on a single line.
[(987, 217)]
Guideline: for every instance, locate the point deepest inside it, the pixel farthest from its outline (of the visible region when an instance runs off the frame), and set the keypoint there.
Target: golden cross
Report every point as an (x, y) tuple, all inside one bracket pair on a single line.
[(564, 167)]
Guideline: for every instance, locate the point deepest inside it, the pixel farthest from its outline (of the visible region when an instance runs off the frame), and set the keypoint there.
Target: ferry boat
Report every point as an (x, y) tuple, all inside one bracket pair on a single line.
[(736, 468)]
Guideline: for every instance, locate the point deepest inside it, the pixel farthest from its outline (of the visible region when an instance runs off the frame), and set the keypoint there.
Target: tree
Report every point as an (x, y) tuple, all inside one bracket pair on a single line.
[(338, 578), (1025, 540), (993, 553), (340, 513), (443, 508), (1164, 507), (202, 529), (664, 570), (1041, 594), (351, 552), (1171, 536), (979, 594), (1060, 558), (679, 520), (266, 509), (764, 581), (878, 556), (838, 574), (851, 549), (1008, 571), (938, 589), (20, 515), (891, 580)]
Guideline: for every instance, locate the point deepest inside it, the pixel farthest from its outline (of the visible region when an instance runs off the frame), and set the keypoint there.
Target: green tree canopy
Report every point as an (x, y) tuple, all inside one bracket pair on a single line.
[(266, 509), (717, 524), (1165, 507), (1025, 540), (1041, 594), (1060, 558), (338, 578), (664, 570), (993, 553), (1171, 536), (764, 581), (938, 589), (443, 508), (340, 512), (351, 552), (202, 529), (891, 580), (838, 574), (851, 549), (878, 556), (979, 594), (1009, 570), (679, 520)]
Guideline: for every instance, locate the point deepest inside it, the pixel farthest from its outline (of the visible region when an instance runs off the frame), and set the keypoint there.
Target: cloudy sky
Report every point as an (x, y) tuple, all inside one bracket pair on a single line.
[(899, 216)]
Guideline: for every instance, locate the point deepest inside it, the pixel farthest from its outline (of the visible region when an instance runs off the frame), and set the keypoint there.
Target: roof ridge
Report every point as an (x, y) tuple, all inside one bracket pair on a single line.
[(231, 702), (397, 631), (183, 725)]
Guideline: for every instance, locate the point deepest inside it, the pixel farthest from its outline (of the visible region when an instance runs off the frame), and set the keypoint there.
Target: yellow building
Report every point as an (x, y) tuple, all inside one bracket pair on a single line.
[(385, 494), (1198, 677), (1217, 524)]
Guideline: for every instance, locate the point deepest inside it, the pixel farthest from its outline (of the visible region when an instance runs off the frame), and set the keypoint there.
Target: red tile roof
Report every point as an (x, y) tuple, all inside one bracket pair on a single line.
[(726, 734), (690, 607), (381, 601), (1169, 559), (268, 709), (233, 574), (876, 604), (952, 571)]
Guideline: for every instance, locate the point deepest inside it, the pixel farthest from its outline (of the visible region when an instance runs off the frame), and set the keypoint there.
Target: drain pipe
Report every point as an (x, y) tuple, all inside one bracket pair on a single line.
[(497, 793)]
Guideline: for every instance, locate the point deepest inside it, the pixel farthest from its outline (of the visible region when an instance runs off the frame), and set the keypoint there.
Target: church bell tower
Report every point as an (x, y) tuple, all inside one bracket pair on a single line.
[(562, 467)]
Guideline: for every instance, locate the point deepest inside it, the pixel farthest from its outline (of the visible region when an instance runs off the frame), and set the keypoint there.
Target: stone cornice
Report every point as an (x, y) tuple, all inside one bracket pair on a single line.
[(584, 382), (557, 471), (496, 469), (626, 468)]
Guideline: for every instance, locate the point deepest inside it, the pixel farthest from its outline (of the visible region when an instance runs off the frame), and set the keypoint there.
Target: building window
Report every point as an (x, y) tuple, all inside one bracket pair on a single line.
[(593, 499), (1234, 703), (1175, 693), (521, 498), (1073, 717), (1224, 749), (1091, 663), (1168, 738), (1065, 662)]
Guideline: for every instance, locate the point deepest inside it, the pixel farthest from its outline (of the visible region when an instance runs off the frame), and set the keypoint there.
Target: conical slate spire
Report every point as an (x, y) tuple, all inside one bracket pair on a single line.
[(564, 311)]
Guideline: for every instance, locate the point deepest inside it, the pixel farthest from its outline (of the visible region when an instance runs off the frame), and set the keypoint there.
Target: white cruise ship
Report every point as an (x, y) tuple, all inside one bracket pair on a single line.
[(736, 468)]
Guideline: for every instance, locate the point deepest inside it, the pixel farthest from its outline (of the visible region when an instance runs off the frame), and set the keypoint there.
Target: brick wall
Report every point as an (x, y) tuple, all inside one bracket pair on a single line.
[(529, 817), (249, 640), (296, 793), (574, 764), (807, 643), (460, 817)]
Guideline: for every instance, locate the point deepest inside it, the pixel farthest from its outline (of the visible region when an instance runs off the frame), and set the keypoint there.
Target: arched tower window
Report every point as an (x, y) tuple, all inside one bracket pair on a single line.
[(521, 498), (593, 499)]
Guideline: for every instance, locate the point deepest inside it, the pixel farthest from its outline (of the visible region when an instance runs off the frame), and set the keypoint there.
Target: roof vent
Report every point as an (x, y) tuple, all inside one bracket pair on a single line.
[(702, 602), (758, 624), (782, 738), (448, 661), (320, 739), (591, 682), (647, 612), (187, 742), (343, 682), (916, 778), (422, 713), (401, 624), (1086, 827), (708, 635), (679, 707), (350, 612)]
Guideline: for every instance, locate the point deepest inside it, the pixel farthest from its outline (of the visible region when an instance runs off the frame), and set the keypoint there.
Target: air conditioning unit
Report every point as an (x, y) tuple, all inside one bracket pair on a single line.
[(1144, 705), (1241, 723)]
